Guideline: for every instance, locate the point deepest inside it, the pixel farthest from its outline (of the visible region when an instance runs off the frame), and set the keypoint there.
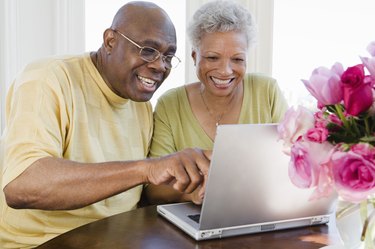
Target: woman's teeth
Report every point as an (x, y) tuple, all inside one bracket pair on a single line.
[(221, 82)]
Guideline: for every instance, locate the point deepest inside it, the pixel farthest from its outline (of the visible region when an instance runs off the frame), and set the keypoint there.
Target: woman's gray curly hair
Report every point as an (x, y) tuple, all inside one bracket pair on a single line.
[(221, 16)]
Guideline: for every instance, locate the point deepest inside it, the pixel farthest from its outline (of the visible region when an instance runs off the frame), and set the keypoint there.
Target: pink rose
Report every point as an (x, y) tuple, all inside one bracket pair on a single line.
[(306, 160), (334, 119), (371, 48), (371, 110), (318, 134), (358, 100), (369, 63), (324, 187), (354, 175), (357, 94), (364, 149), (320, 121), (325, 85), (294, 124), (353, 76)]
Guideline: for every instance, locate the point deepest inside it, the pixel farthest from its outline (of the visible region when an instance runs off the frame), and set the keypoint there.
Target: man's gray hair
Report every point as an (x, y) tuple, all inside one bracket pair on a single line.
[(221, 16)]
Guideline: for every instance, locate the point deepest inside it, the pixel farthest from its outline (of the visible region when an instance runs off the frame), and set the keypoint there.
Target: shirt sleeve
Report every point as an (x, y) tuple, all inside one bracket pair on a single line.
[(162, 140), (278, 103), (35, 124)]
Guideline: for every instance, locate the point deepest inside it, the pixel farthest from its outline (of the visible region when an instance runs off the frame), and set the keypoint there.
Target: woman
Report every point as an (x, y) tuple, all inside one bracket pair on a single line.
[(221, 33)]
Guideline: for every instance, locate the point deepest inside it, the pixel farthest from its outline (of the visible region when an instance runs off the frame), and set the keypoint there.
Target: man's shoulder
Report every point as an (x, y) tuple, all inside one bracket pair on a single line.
[(56, 61), (53, 71)]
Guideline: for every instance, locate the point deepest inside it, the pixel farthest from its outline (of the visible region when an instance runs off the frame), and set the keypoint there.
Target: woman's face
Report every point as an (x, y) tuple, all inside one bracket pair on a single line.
[(220, 61)]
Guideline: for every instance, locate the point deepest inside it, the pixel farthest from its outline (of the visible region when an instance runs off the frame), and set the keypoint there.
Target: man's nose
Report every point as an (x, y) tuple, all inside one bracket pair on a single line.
[(159, 64)]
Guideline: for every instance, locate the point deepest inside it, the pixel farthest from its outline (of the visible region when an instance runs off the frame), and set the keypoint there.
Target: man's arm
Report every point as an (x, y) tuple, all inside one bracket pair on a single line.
[(57, 184)]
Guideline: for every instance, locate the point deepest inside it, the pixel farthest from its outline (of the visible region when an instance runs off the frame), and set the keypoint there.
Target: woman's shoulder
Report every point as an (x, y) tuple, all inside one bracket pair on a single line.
[(172, 93), (179, 93), (260, 78), (261, 82), (172, 97)]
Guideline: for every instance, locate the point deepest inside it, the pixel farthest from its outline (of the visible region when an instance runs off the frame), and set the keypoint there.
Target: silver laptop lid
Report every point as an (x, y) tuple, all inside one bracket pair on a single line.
[(250, 158)]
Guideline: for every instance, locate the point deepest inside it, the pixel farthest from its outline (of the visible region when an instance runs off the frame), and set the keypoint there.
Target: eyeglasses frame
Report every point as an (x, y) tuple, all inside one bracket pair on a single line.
[(163, 57)]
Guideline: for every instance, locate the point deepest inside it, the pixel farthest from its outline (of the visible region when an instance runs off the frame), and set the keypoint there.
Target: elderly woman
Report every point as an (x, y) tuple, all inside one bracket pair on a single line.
[(187, 116)]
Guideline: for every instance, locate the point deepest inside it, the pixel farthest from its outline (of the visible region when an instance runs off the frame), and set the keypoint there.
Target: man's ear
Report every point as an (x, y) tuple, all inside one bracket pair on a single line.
[(109, 40)]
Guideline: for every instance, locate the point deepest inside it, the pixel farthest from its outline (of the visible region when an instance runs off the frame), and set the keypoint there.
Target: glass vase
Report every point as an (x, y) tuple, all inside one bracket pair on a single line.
[(356, 224)]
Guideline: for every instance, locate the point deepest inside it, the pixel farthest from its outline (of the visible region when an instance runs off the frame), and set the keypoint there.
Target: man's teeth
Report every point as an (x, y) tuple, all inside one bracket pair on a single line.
[(147, 81), (221, 82)]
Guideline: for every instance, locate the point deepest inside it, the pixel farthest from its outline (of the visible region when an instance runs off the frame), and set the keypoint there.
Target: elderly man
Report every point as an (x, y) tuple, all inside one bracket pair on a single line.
[(79, 128)]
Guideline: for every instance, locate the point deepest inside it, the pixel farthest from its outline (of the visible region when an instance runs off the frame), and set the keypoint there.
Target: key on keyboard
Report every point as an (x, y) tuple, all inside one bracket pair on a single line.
[(195, 217)]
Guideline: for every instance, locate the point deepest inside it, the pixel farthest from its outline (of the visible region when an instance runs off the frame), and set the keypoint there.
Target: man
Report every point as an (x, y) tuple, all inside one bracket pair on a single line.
[(79, 128)]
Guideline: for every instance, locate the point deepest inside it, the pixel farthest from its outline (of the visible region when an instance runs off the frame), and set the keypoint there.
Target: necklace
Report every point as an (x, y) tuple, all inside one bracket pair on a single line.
[(216, 119)]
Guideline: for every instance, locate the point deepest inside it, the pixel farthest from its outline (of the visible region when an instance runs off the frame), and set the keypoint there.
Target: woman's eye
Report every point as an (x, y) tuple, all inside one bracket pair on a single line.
[(211, 58), (239, 60)]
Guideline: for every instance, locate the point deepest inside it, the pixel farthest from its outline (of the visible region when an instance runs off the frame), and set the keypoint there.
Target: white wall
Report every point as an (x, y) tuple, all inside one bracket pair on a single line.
[(33, 29), (2, 62), (318, 33)]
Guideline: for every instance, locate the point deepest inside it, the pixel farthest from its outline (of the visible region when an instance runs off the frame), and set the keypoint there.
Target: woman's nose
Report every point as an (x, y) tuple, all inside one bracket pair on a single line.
[(225, 67)]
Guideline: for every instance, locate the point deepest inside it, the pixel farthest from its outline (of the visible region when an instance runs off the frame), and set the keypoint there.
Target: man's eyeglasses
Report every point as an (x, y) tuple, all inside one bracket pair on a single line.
[(150, 54)]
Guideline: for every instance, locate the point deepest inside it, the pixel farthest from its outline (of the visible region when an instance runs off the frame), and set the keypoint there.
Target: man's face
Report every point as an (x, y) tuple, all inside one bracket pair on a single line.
[(130, 76)]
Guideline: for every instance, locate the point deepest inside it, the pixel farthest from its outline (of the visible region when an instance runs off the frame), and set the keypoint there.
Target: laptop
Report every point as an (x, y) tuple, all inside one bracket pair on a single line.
[(248, 189)]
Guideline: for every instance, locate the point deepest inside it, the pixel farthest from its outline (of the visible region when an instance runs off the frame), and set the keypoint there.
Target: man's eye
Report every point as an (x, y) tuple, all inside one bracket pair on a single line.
[(148, 51), (168, 58)]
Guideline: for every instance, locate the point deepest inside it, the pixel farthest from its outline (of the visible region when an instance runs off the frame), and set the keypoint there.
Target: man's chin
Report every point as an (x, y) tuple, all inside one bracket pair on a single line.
[(143, 97)]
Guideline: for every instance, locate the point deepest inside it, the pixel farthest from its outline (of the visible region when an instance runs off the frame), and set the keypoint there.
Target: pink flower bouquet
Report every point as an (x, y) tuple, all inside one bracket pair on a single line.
[(333, 148)]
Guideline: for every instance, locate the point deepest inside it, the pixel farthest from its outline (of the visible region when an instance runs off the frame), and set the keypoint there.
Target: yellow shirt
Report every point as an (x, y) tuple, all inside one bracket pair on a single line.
[(61, 107), (176, 127)]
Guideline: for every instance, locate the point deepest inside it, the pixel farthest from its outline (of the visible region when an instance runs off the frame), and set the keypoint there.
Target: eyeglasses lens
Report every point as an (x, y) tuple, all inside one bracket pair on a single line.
[(150, 54)]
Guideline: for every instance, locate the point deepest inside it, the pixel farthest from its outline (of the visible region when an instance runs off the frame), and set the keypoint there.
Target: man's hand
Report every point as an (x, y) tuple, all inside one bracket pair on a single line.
[(185, 171)]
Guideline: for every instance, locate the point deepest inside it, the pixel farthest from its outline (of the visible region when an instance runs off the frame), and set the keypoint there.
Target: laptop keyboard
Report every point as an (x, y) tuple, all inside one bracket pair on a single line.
[(195, 217)]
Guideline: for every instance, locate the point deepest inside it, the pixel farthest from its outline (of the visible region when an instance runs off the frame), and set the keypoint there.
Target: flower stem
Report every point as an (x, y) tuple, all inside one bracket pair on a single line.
[(341, 115), (347, 209), (367, 127), (368, 220)]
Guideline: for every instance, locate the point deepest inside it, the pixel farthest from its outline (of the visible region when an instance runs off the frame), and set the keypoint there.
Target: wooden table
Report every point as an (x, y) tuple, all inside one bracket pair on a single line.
[(144, 228)]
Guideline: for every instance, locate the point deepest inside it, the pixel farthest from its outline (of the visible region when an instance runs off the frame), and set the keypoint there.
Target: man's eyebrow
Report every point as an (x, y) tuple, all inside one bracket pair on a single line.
[(156, 45)]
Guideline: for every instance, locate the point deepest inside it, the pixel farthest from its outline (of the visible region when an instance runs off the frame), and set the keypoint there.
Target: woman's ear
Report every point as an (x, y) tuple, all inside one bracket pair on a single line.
[(109, 40), (194, 56)]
